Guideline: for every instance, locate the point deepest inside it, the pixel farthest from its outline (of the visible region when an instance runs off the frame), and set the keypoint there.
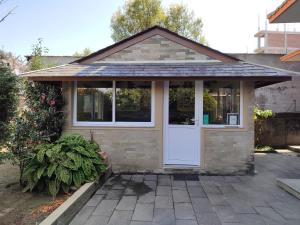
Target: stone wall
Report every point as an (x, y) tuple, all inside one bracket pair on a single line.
[(156, 48)]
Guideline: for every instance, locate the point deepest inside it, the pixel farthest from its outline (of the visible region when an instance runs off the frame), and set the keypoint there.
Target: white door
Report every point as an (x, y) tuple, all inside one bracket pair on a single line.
[(182, 108)]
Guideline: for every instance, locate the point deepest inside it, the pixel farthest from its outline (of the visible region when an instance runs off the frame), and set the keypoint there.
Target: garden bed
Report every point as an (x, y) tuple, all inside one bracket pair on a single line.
[(19, 208)]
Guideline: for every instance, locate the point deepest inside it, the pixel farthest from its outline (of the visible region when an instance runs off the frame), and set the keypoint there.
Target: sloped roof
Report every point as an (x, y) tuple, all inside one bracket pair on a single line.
[(191, 70), (287, 12), (156, 30)]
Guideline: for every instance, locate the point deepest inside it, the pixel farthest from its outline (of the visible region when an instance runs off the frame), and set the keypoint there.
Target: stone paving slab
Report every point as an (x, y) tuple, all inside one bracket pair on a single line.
[(213, 200)]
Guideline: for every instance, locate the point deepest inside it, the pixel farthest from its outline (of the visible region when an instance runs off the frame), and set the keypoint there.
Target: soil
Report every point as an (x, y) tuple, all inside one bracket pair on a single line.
[(19, 208)]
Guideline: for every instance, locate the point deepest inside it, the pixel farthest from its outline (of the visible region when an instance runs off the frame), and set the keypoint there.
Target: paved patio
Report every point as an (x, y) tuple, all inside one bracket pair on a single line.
[(213, 200)]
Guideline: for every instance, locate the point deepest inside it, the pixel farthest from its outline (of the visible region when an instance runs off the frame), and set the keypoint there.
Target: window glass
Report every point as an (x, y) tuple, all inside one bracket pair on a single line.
[(133, 101), (182, 102), (94, 101), (221, 102)]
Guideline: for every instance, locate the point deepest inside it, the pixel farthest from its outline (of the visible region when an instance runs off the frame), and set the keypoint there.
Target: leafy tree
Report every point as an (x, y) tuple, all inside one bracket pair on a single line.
[(138, 15), (8, 100), (38, 50), (85, 52)]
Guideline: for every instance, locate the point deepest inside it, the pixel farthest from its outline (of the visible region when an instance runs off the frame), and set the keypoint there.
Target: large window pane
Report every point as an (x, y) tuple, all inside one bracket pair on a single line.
[(182, 102), (133, 101), (221, 102), (94, 101)]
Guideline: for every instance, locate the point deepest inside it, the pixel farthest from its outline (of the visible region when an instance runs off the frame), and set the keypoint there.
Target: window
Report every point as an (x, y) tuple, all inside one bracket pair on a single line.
[(94, 101), (113, 103), (182, 102), (133, 101), (221, 102)]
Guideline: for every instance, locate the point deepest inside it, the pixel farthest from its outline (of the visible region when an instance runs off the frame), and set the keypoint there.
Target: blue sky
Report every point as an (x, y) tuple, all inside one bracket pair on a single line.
[(71, 25)]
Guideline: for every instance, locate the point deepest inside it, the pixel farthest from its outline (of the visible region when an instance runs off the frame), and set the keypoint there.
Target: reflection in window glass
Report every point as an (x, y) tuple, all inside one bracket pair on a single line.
[(182, 102), (94, 101), (133, 101), (221, 102)]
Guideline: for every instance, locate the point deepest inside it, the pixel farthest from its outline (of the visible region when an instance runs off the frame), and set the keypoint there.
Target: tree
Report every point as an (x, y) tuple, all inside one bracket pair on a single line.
[(38, 50), (8, 100), (138, 15), (85, 52)]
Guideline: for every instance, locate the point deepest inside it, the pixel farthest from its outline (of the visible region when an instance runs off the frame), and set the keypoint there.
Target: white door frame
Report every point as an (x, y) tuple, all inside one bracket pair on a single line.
[(197, 127)]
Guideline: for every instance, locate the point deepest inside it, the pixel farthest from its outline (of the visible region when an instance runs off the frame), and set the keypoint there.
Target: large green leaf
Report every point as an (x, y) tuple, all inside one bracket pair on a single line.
[(51, 169), (40, 155), (77, 158), (64, 175), (40, 171), (82, 151), (53, 187), (77, 179), (87, 167)]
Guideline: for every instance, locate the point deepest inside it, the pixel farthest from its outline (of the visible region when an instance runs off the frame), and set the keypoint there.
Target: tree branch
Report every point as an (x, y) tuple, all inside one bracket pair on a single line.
[(7, 14)]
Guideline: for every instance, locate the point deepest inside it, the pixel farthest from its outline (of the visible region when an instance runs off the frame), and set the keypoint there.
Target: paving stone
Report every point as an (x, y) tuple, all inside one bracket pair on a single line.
[(196, 191), (114, 194), (147, 198), (143, 212), (186, 222), (212, 189), (163, 202), (140, 223), (118, 187), (137, 178), (192, 183), (126, 177), (94, 201), (208, 219), (232, 179), (184, 211), (163, 190), (164, 180), (164, 217), (151, 177), (202, 205), (178, 184), (269, 214), (286, 210), (252, 219), (181, 196), (130, 191), (127, 203), (226, 214), (97, 220), (239, 205), (83, 215), (103, 190), (151, 184), (217, 200), (105, 208), (120, 217)]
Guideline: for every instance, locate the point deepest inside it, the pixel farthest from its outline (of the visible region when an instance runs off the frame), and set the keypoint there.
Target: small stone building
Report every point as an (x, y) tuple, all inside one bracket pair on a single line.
[(158, 102)]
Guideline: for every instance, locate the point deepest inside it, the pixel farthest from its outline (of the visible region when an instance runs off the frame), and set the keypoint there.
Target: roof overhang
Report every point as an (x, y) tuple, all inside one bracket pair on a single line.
[(261, 75), (287, 12)]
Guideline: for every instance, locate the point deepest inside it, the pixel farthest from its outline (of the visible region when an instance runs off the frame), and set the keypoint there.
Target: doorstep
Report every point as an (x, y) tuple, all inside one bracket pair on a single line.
[(290, 185)]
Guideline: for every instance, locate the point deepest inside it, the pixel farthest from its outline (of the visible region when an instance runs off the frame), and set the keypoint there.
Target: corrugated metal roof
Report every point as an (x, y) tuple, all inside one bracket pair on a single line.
[(106, 70)]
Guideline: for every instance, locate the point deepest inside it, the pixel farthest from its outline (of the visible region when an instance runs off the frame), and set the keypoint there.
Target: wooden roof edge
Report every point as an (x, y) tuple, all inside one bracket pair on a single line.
[(152, 31), (290, 55), (280, 10)]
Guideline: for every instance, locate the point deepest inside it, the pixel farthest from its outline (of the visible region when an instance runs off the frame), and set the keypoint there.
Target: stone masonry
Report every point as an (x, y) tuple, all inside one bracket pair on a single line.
[(156, 48)]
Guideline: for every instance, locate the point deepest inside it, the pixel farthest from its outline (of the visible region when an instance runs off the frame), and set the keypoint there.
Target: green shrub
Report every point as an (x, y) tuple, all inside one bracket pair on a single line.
[(70, 161), (262, 114)]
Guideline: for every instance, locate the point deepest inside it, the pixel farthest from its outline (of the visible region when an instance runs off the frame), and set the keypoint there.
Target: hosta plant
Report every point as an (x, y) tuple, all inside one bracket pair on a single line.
[(70, 161)]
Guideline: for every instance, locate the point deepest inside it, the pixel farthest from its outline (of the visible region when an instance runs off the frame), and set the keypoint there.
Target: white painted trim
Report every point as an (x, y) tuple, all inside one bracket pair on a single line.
[(114, 123), (241, 116)]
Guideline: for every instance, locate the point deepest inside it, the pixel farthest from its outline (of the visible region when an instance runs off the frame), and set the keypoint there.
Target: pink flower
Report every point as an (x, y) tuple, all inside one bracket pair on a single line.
[(52, 102), (42, 98)]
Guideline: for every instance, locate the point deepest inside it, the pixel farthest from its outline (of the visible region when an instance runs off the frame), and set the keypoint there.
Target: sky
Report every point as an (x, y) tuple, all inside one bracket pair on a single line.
[(67, 26)]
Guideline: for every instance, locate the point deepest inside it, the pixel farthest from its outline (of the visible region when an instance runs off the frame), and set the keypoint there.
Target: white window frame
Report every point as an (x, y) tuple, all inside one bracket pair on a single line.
[(241, 116), (114, 123)]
